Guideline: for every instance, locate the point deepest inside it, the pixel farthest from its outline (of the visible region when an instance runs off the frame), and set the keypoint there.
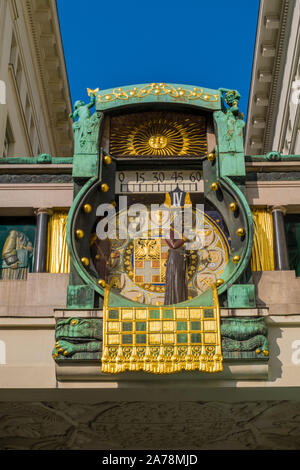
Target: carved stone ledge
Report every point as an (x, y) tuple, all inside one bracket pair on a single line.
[(66, 372)]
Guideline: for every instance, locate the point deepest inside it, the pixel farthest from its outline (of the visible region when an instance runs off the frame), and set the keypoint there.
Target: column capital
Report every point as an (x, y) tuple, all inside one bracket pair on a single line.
[(43, 210), (278, 208)]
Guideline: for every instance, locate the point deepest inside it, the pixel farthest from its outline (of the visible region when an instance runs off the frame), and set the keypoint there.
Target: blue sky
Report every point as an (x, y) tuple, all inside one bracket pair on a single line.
[(197, 42)]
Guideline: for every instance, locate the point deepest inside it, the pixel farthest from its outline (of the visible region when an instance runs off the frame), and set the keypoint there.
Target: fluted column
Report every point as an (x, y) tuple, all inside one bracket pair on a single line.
[(280, 245), (40, 249)]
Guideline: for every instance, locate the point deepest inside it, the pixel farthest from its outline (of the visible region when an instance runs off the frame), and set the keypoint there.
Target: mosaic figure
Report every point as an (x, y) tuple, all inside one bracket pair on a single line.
[(16, 254)]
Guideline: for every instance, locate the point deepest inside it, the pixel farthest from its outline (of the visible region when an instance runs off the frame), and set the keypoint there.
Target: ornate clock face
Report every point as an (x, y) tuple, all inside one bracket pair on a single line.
[(145, 156), (136, 265)]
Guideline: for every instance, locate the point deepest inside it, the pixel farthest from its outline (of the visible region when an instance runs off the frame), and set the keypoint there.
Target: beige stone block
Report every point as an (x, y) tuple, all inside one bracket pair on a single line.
[(279, 291), (37, 296)]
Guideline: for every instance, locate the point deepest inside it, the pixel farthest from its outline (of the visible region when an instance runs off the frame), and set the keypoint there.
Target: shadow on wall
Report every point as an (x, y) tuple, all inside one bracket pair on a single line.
[(275, 365), (256, 278)]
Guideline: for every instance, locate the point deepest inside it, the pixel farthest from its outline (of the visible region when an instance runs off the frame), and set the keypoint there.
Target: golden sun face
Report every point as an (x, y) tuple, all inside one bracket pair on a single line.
[(158, 134), (158, 141)]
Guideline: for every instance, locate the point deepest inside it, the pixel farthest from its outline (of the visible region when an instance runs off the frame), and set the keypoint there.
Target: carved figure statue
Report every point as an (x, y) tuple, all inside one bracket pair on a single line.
[(245, 334), (231, 136), (85, 125), (232, 98), (16, 254), (81, 338), (176, 283), (78, 338)]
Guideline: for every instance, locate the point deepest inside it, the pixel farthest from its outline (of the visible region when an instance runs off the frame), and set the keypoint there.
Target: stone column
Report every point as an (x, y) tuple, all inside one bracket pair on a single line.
[(280, 244), (40, 250)]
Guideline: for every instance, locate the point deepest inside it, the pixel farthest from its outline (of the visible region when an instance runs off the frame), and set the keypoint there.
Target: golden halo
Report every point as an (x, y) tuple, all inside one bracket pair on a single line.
[(159, 134)]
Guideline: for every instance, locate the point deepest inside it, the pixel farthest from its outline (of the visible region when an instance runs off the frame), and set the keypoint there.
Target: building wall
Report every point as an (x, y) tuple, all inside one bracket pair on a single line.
[(273, 118), (286, 134), (34, 118)]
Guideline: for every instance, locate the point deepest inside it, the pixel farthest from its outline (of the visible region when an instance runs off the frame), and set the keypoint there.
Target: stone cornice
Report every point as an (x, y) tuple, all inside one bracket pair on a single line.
[(42, 22), (267, 72), (277, 75)]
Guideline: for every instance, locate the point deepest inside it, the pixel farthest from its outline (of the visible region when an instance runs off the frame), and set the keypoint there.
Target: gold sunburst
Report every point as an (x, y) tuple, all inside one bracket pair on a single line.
[(158, 134)]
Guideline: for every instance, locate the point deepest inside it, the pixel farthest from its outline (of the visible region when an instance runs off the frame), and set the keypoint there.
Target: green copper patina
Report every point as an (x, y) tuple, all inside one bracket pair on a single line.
[(85, 127), (43, 158), (80, 339), (230, 146), (153, 93), (273, 157), (86, 130), (244, 337)]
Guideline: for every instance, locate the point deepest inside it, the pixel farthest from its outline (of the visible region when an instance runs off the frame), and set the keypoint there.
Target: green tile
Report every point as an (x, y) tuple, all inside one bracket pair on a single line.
[(127, 326), (182, 338), (195, 338), (140, 339), (182, 325), (140, 326), (127, 339), (168, 314), (195, 325), (154, 314), (113, 314), (209, 313)]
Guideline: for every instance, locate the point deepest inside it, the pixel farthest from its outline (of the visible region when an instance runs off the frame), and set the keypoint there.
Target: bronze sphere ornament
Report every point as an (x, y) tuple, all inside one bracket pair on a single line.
[(87, 208), (104, 187), (107, 160), (233, 206), (214, 186), (79, 233), (240, 232), (85, 261)]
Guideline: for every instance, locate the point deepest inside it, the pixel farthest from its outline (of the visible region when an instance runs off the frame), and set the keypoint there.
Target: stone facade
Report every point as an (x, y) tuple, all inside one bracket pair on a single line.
[(71, 404), (34, 114), (273, 110)]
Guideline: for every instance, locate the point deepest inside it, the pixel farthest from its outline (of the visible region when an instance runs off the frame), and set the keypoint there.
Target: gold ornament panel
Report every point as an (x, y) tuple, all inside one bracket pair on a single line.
[(162, 134), (155, 89), (162, 340)]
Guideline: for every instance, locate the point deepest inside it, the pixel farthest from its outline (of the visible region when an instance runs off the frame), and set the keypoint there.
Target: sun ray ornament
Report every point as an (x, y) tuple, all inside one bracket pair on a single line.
[(158, 134)]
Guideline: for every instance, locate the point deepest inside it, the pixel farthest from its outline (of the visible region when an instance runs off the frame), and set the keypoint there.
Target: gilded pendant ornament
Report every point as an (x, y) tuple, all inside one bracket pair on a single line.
[(162, 340), (158, 134)]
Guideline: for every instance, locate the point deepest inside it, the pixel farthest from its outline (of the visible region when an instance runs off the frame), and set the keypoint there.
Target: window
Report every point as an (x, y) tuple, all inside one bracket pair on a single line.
[(13, 52), (32, 133), (292, 228), (19, 75), (6, 146), (27, 112)]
